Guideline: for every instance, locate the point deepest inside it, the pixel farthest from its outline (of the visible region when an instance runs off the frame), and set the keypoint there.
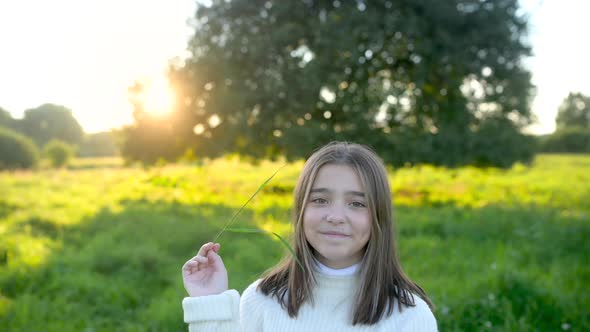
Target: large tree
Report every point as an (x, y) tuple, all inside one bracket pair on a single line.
[(50, 121), (574, 111), (420, 80)]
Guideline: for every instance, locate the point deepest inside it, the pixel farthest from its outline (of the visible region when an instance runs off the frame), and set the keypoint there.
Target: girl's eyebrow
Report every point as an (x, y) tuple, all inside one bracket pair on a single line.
[(326, 190)]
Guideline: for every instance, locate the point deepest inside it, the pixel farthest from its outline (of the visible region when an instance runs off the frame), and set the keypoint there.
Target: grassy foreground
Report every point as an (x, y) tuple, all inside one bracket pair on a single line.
[(99, 246)]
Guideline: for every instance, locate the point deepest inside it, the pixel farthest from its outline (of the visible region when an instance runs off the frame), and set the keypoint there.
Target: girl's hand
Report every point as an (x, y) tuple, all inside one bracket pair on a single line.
[(205, 273)]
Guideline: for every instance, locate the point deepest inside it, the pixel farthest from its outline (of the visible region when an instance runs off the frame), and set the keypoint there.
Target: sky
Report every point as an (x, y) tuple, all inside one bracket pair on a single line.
[(85, 54), (561, 55)]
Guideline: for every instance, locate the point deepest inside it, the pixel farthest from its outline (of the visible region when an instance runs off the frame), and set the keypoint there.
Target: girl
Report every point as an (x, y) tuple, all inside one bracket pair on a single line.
[(344, 237)]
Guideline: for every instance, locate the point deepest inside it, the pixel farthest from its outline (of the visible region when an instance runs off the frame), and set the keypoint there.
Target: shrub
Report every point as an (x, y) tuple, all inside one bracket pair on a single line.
[(16, 150), (574, 140), (58, 152)]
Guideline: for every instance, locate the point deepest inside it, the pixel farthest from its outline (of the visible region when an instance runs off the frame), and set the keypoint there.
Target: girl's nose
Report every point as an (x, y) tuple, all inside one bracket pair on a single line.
[(336, 215)]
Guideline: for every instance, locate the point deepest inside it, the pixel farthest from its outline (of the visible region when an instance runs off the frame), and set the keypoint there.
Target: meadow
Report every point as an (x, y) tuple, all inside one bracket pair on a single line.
[(99, 246)]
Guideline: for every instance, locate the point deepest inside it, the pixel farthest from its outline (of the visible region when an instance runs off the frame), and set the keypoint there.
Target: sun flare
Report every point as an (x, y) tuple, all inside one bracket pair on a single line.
[(158, 97)]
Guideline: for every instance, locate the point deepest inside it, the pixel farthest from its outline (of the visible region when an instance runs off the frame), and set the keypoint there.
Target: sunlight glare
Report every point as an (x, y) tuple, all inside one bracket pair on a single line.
[(158, 98)]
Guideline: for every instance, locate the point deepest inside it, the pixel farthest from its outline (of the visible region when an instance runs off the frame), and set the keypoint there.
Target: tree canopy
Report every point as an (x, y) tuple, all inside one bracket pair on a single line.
[(419, 80), (574, 111), (50, 121), (7, 121), (572, 134)]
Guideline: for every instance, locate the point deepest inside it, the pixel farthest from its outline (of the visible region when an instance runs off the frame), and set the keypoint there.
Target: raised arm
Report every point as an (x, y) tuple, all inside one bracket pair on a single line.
[(210, 306)]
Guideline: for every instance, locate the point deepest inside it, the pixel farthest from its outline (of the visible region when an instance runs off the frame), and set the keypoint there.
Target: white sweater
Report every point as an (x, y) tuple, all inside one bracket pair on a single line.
[(332, 311)]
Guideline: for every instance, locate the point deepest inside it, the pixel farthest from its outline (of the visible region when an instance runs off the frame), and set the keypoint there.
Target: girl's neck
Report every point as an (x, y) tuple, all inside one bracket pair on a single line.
[(343, 272)]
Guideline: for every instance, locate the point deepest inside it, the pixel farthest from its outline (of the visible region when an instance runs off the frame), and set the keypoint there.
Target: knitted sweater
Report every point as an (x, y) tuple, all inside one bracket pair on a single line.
[(332, 310)]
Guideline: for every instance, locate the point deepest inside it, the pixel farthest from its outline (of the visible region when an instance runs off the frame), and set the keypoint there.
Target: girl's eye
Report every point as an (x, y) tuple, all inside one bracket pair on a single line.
[(319, 201), (358, 204)]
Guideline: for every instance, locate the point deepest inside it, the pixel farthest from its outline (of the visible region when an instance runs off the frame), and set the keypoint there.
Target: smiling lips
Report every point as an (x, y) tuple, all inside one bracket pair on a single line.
[(334, 234)]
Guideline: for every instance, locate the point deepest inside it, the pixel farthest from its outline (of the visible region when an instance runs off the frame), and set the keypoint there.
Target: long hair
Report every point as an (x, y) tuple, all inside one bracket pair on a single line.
[(382, 280)]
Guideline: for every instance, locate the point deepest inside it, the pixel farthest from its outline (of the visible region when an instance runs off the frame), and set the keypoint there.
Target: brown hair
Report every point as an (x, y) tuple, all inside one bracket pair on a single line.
[(382, 280)]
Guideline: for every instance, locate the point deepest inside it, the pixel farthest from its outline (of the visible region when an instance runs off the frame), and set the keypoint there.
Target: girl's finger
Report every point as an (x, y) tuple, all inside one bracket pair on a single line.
[(204, 249), (215, 260), (199, 259), (188, 266)]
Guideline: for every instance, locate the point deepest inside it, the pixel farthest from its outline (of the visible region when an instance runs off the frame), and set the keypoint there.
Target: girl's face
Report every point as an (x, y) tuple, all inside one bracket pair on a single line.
[(336, 221)]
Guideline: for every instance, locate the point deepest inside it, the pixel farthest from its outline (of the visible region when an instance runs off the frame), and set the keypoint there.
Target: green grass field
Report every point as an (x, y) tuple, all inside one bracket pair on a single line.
[(99, 246)]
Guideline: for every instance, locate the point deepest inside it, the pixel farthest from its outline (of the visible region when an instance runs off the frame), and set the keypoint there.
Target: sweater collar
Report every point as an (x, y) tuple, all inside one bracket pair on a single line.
[(328, 271)]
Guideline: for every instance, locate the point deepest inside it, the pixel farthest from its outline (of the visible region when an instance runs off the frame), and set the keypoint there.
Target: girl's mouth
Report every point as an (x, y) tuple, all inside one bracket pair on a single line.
[(335, 235)]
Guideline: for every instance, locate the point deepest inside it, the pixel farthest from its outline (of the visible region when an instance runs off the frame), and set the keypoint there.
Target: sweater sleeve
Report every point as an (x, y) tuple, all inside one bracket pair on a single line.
[(213, 313), (225, 312)]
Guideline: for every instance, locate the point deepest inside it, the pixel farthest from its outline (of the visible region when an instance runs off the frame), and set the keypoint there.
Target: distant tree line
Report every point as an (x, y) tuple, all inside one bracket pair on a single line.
[(50, 130)]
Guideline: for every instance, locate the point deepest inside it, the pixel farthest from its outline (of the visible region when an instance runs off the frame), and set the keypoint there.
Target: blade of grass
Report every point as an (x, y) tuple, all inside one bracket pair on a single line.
[(285, 243), (248, 201)]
